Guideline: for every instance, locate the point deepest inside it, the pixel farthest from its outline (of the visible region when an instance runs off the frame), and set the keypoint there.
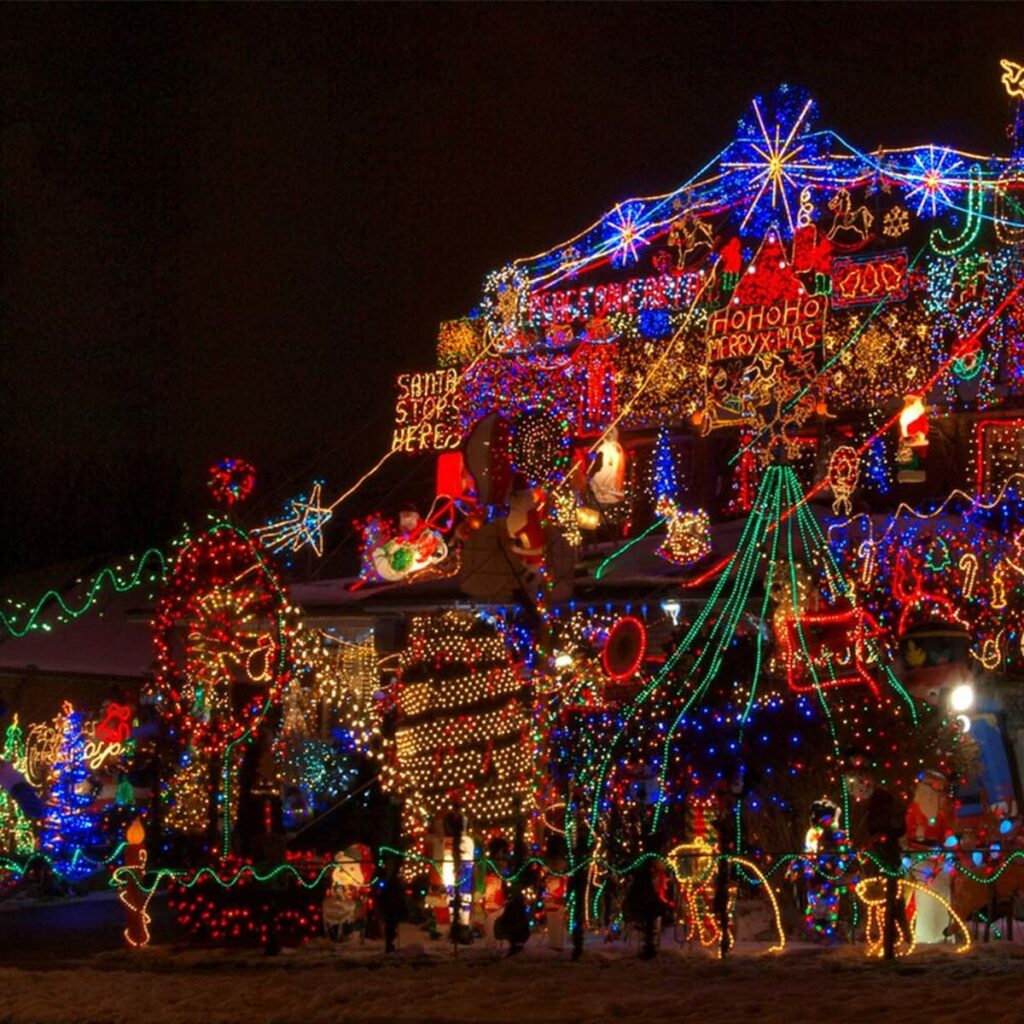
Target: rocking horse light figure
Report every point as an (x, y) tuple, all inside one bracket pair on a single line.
[(846, 219)]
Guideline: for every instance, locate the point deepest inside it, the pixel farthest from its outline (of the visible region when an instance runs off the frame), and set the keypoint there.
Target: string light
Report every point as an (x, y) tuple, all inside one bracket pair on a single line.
[(21, 618), (17, 835), (71, 828), (462, 724), (220, 594)]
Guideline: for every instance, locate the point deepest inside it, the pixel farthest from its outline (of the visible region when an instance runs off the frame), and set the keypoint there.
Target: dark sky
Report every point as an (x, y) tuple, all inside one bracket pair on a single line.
[(223, 229)]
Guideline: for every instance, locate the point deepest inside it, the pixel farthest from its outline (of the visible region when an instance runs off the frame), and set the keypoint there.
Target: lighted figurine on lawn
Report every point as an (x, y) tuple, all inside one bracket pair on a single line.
[(345, 905), (928, 828), (828, 870)]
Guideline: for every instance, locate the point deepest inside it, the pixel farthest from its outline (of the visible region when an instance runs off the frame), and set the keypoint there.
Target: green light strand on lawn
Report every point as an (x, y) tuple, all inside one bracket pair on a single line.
[(18, 866)]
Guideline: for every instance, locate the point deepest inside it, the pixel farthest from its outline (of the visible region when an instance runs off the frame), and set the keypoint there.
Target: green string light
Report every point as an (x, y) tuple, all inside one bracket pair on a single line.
[(118, 585)]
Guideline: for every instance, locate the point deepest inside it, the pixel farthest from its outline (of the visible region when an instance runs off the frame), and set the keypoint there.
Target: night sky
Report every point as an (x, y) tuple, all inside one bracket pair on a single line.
[(225, 229)]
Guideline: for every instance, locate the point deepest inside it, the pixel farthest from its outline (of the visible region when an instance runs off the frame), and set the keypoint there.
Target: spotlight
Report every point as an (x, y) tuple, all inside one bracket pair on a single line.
[(961, 698)]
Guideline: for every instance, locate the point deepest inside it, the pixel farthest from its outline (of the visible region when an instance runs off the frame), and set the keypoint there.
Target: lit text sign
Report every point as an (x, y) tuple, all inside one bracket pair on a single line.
[(427, 411), (667, 291), (742, 332), (43, 747)]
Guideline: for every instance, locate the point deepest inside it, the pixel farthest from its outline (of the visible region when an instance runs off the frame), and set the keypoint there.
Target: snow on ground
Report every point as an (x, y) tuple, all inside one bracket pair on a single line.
[(425, 984)]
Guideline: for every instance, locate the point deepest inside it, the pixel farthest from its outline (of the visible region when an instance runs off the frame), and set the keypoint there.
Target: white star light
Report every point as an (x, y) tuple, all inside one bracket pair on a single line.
[(627, 234), (778, 166), (933, 177), (304, 526)]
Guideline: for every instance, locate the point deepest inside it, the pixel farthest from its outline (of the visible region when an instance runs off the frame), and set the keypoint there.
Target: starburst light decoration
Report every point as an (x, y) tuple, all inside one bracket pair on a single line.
[(933, 175), (782, 158), (627, 234)]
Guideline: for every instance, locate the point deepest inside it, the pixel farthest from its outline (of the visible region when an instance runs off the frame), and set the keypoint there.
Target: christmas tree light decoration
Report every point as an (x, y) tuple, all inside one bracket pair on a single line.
[(463, 725), (186, 796), (17, 835), (663, 481), (70, 832), (666, 706)]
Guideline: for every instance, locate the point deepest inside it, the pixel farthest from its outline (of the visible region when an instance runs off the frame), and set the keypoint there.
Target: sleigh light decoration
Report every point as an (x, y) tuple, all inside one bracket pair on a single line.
[(829, 649)]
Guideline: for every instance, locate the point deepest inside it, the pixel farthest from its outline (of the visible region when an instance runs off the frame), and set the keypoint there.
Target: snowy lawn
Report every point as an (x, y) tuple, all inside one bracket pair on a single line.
[(424, 983)]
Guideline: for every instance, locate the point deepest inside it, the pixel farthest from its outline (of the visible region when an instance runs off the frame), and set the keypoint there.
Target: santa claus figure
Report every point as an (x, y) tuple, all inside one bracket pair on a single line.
[(927, 827), (525, 526)]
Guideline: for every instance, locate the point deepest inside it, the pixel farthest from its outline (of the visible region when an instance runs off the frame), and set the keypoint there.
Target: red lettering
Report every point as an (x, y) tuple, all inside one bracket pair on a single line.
[(654, 295)]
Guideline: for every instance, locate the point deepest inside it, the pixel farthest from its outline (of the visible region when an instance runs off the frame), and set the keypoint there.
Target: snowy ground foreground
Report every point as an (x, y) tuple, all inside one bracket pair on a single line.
[(423, 984)]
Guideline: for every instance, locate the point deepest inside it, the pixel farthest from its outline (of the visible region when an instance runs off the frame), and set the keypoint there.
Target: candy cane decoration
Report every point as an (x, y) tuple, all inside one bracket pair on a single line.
[(866, 552), (969, 567)]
